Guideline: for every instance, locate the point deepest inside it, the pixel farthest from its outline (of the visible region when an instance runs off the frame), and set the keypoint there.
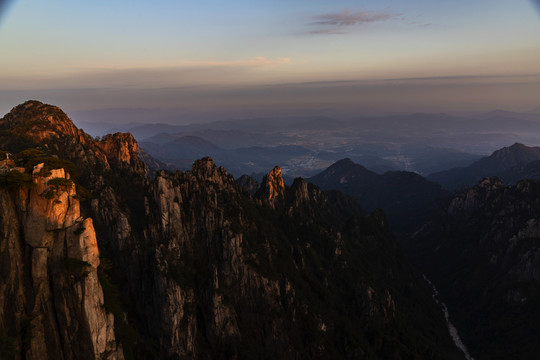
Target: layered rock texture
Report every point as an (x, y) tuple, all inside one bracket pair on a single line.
[(483, 254), (52, 301), (192, 265)]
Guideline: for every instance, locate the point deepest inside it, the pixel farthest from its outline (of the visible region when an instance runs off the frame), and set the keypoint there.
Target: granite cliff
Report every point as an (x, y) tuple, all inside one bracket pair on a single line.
[(52, 301)]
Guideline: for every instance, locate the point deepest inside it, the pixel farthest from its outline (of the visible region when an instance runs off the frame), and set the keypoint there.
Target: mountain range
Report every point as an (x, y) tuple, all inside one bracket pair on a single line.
[(106, 255), (506, 163), (102, 261), (406, 197), (423, 143)]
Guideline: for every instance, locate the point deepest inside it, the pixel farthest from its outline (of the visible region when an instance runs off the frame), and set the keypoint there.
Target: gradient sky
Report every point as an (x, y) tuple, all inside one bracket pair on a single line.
[(207, 60)]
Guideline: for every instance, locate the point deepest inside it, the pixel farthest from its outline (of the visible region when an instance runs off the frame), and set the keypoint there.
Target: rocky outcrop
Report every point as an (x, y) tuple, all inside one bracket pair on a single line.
[(122, 148), (248, 183), (53, 304), (272, 187)]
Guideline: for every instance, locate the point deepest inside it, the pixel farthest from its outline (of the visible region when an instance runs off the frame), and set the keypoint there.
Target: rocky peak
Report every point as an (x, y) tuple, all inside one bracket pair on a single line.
[(300, 190), (33, 124), (491, 183), (206, 169), (342, 172), (38, 120), (513, 155), (472, 199), (121, 147), (248, 183), (272, 187)]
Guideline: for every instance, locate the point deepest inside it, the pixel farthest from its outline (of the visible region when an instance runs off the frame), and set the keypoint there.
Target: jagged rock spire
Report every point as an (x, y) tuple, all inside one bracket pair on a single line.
[(272, 187)]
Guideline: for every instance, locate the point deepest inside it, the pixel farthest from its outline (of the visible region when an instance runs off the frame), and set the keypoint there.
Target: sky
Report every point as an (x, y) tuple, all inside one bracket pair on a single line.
[(188, 61)]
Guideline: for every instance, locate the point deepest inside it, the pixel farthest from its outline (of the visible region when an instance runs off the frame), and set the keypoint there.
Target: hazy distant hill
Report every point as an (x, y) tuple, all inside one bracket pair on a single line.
[(530, 170), (184, 150), (496, 164), (427, 160), (422, 143), (405, 196)]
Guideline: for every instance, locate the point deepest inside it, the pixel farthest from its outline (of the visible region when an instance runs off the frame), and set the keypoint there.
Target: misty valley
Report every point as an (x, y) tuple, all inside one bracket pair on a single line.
[(304, 146)]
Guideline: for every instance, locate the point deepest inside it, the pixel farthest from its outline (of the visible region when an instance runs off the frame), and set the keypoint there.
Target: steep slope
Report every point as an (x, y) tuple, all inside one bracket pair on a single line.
[(483, 254), (529, 170), (195, 267), (494, 165), (406, 197)]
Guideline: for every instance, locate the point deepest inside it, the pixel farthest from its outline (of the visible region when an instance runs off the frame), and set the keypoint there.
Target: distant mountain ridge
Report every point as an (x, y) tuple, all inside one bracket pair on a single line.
[(497, 164), (406, 197)]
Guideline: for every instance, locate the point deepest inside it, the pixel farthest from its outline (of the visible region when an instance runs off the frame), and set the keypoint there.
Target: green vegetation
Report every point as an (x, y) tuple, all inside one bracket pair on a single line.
[(31, 157), (82, 193), (15, 179), (55, 185), (58, 183)]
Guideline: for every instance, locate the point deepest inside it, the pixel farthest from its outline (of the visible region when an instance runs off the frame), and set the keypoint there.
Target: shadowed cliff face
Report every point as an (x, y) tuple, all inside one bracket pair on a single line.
[(483, 254), (205, 270), (292, 277)]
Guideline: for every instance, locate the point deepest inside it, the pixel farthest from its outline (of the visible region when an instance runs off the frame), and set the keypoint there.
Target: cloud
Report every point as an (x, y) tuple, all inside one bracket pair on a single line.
[(337, 23), (348, 18)]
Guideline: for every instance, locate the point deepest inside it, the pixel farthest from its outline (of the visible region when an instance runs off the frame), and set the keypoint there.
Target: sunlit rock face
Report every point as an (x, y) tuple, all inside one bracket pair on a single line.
[(120, 147), (53, 301), (272, 187)]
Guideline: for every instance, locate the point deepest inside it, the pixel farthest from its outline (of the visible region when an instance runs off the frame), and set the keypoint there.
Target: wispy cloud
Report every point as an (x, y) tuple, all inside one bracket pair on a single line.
[(335, 23)]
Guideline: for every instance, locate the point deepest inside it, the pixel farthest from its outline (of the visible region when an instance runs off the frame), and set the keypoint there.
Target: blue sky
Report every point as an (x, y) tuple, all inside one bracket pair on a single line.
[(207, 59)]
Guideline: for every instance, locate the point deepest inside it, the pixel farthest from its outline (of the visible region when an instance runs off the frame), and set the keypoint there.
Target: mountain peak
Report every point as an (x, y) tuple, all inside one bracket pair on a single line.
[(39, 121), (515, 154), (273, 186), (121, 147), (348, 164)]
